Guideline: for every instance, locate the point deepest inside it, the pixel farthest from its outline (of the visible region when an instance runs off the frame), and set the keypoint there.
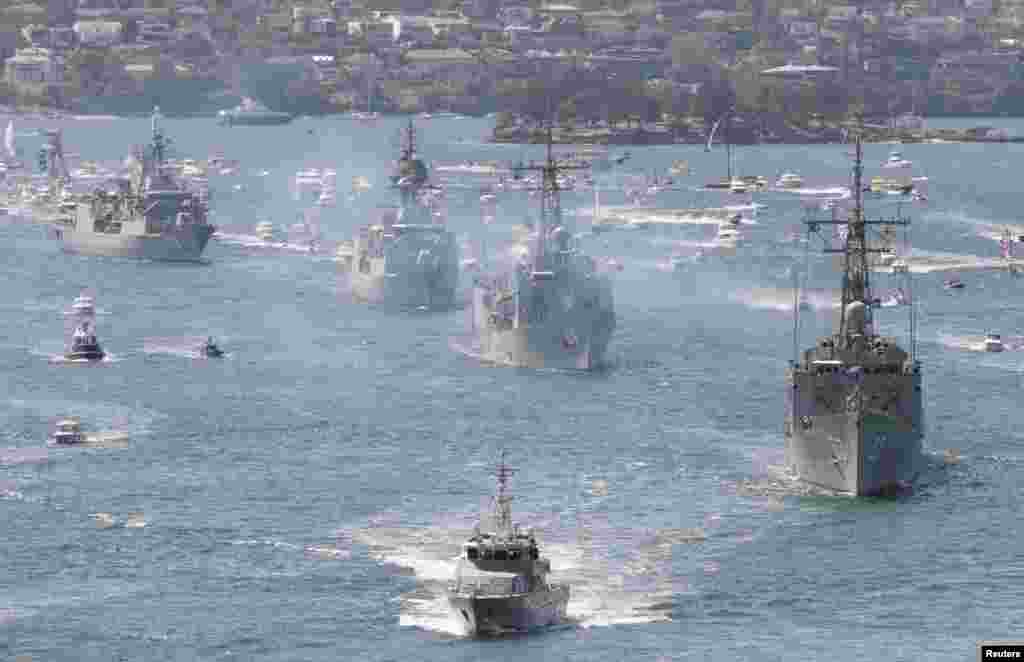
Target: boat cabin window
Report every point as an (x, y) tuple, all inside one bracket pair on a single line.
[(472, 553), (513, 554), (500, 555), (534, 553), (486, 554)]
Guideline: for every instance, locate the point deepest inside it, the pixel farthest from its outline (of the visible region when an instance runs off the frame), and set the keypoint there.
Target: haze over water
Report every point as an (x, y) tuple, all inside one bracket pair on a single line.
[(303, 498)]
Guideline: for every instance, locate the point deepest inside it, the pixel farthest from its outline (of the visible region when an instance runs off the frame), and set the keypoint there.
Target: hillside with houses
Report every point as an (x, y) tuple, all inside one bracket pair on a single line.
[(784, 65)]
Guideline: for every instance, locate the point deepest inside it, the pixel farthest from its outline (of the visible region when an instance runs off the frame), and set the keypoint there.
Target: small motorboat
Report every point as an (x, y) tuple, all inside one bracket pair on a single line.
[(993, 343), (727, 233), (789, 180), (265, 230), (68, 432), (210, 349), (84, 345), (953, 284), (896, 160)]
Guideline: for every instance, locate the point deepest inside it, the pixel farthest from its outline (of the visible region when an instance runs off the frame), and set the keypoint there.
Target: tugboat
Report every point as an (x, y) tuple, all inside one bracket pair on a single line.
[(84, 345), (501, 580), (854, 419), (68, 432), (210, 349)]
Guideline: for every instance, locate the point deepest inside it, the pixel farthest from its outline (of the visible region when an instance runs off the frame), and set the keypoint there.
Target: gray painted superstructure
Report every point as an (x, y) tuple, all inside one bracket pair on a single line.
[(151, 214), (501, 580), (555, 308), (405, 259), (854, 406)]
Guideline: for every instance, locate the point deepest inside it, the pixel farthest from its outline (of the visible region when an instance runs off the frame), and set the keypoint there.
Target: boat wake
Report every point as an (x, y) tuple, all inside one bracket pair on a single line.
[(935, 262), (469, 347), (781, 300), (184, 347), (606, 589), (252, 241), (60, 358), (977, 343)]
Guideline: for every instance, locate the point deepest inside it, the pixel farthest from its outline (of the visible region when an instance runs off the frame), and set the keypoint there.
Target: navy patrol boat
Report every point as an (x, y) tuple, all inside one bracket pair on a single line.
[(501, 581)]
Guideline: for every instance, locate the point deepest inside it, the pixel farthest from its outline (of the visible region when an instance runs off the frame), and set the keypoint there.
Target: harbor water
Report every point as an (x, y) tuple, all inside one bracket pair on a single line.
[(303, 498)]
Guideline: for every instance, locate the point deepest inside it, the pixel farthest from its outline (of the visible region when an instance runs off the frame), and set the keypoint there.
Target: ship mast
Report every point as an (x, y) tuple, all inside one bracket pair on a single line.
[(550, 201), (856, 250), (503, 502), (409, 148), (158, 146)]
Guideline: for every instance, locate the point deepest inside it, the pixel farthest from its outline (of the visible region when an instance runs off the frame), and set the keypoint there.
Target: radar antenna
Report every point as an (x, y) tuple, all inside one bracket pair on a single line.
[(503, 502), (855, 250), (551, 203)]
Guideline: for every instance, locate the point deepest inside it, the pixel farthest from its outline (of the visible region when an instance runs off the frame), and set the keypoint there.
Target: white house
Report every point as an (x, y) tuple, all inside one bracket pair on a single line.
[(98, 33), (34, 68)]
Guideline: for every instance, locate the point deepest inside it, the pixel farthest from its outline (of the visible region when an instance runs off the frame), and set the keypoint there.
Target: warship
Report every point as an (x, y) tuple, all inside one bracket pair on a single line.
[(554, 308), (405, 258), (501, 582), (149, 215), (854, 420)]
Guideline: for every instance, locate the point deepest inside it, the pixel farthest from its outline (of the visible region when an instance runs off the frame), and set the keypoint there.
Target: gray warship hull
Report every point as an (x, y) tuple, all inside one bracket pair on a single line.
[(573, 337), (403, 290), (183, 246), (484, 614), (859, 439)]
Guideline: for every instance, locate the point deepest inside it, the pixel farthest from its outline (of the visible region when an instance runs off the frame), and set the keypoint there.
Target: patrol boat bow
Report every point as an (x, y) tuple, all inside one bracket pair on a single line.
[(501, 580), (854, 413)]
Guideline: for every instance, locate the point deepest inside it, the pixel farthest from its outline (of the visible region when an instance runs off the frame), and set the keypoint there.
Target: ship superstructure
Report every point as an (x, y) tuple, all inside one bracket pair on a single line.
[(150, 214), (501, 581), (554, 308), (854, 415), (405, 258)]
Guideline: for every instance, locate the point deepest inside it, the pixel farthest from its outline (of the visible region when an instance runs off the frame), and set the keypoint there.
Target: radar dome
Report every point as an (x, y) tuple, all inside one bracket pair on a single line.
[(413, 168), (856, 316)]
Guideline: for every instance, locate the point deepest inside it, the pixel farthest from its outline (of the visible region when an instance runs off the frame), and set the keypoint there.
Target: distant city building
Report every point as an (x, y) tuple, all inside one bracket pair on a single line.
[(98, 33), (33, 69)]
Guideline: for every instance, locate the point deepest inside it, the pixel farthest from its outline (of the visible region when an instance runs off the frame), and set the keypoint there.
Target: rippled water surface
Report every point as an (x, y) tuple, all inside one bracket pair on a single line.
[(303, 498)]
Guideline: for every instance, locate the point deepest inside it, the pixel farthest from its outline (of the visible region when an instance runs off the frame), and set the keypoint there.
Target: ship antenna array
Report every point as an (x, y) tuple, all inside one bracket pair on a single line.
[(502, 502), (409, 149), (160, 142), (855, 249), (551, 204)]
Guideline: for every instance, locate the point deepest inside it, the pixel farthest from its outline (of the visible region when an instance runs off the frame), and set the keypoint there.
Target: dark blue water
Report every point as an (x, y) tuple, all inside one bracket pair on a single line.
[(302, 499)]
